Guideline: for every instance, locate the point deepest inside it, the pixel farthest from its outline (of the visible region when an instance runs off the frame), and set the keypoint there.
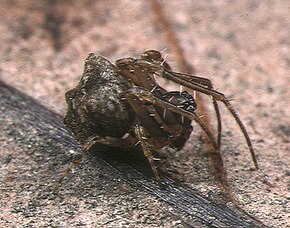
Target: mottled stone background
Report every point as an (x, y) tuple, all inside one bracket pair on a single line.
[(244, 48)]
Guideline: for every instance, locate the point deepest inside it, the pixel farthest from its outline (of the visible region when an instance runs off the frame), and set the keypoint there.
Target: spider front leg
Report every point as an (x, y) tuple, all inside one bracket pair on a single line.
[(219, 97), (207, 83), (137, 94), (154, 56), (151, 63)]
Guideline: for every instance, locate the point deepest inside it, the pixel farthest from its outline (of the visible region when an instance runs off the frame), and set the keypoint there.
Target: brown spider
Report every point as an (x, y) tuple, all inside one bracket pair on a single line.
[(122, 105)]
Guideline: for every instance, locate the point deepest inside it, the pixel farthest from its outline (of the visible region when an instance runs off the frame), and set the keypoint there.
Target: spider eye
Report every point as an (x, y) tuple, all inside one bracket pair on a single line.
[(125, 62), (151, 55)]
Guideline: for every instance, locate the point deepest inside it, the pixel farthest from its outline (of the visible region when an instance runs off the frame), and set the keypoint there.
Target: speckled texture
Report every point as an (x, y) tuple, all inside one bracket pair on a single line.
[(243, 48), (95, 107)]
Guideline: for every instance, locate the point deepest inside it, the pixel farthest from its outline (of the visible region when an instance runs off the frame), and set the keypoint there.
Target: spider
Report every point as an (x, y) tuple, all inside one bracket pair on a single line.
[(122, 105)]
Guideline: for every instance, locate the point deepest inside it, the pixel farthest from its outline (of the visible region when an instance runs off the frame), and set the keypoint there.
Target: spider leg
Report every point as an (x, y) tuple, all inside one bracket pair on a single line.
[(82, 151), (74, 162), (207, 83), (154, 57), (141, 77), (216, 96), (138, 94), (147, 148)]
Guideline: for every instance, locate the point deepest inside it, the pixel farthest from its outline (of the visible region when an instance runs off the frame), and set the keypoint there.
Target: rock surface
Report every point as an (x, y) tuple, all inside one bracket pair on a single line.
[(243, 48)]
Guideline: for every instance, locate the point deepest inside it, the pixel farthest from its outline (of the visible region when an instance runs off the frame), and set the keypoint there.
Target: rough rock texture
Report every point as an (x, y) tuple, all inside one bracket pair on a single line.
[(243, 48)]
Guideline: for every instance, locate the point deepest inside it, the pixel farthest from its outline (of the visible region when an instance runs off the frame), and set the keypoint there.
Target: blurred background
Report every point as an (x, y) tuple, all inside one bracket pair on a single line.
[(244, 48)]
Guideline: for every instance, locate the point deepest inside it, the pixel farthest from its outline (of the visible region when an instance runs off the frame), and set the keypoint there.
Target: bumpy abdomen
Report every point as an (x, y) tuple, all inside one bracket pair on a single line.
[(110, 114)]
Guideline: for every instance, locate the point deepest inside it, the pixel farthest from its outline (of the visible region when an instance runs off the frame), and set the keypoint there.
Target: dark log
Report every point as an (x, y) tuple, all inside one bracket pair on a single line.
[(35, 150)]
